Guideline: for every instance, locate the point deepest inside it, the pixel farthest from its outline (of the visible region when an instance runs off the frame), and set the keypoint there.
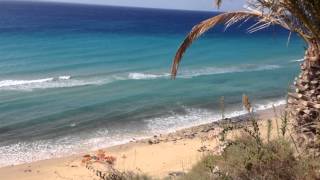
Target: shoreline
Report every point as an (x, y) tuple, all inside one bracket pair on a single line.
[(156, 156), (22, 153)]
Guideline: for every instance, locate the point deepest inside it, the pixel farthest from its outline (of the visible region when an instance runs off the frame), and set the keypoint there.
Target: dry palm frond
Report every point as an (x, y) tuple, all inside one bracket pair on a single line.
[(226, 18)]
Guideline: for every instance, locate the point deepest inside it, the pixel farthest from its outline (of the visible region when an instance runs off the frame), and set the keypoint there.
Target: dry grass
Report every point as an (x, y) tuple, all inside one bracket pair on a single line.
[(244, 160)]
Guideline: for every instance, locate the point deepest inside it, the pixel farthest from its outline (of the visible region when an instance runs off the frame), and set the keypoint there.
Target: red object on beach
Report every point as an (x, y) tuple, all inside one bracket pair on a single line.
[(110, 159)]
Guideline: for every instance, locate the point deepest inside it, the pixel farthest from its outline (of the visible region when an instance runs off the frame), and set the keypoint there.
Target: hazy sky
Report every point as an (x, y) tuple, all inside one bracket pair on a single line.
[(167, 4)]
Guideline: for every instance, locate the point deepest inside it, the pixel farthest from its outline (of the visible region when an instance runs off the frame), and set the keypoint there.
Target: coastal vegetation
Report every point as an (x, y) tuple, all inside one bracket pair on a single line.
[(245, 159), (249, 155)]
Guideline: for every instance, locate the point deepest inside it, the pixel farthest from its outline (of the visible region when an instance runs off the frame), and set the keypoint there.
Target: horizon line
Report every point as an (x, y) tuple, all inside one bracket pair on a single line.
[(106, 5)]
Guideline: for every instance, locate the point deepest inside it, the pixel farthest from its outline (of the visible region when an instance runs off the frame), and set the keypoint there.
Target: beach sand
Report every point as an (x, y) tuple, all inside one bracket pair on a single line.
[(158, 156)]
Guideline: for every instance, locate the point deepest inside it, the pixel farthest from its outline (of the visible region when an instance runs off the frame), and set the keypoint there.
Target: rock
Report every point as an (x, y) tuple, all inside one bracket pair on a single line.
[(177, 174), (191, 136), (28, 170), (208, 129), (203, 149), (156, 141), (150, 141)]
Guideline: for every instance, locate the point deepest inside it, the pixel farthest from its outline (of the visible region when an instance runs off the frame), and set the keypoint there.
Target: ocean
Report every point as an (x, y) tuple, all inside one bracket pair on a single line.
[(75, 78)]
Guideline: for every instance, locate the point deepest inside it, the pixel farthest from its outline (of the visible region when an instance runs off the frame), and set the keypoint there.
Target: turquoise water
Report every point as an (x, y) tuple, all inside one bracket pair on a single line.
[(76, 78)]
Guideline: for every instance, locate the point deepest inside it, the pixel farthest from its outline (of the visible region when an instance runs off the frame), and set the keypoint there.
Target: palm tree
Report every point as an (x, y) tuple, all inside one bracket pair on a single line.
[(297, 16)]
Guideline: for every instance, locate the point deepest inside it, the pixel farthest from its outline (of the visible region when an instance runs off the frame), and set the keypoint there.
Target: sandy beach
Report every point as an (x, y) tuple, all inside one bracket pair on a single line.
[(159, 156)]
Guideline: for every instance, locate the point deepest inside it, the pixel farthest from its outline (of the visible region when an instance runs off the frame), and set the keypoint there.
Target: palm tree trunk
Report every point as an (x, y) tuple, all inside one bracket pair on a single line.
[(304, 103)]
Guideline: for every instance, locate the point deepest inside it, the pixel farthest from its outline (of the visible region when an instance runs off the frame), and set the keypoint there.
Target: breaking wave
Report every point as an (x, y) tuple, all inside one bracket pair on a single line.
[(8, 83), (191, 73), (46, 83)]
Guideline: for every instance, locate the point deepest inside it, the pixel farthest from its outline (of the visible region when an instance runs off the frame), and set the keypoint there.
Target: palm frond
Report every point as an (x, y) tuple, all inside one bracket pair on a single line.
[(226, 18)]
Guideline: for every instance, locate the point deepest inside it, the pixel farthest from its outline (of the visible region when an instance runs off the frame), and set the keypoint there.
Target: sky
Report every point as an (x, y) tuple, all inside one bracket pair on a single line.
[(205, 5)]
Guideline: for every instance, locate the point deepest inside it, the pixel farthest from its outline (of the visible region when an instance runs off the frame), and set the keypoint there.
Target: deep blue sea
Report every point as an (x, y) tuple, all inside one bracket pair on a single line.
[(75, 78)]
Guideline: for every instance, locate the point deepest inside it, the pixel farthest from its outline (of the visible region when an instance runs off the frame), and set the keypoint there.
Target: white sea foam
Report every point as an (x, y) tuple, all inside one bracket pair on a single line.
[(137, 76), (64, 77), (46, 83), (8, 83), (297, 60)]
